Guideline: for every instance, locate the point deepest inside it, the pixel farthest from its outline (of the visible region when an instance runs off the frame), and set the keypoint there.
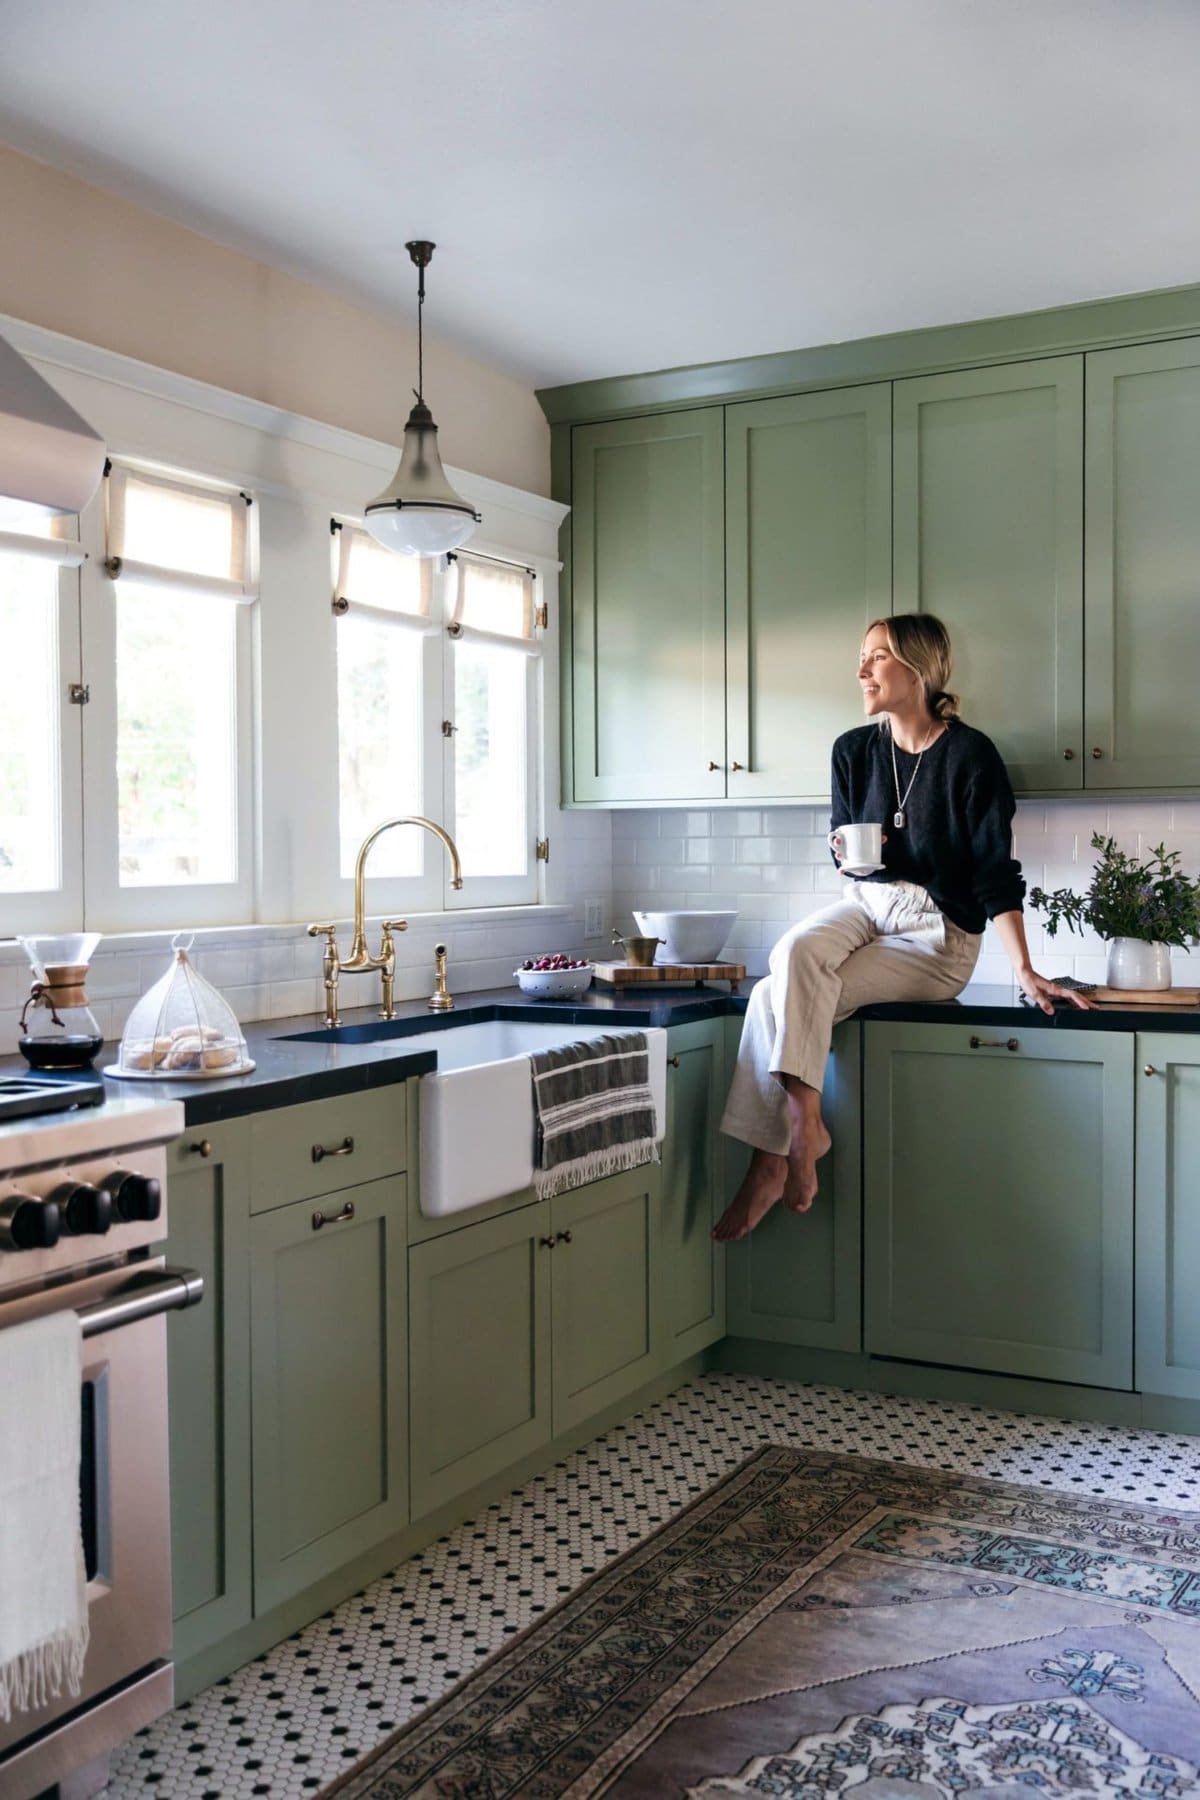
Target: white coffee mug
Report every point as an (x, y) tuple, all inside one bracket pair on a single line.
[(858, 846)]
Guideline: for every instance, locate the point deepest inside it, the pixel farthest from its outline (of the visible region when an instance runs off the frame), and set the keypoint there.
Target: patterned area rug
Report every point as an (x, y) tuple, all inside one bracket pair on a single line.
[(820, 1625)]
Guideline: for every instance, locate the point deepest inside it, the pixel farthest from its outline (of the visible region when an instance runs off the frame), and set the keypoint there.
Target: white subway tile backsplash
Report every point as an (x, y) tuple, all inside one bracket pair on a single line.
[(737, 823)]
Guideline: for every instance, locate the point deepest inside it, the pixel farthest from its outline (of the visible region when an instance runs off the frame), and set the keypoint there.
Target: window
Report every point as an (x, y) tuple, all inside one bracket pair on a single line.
[(436, 707), (39, 731), (170, 791)]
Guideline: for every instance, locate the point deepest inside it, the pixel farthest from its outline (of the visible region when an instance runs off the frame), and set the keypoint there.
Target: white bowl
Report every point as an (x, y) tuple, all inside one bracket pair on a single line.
[(554, 984), (688, 937)]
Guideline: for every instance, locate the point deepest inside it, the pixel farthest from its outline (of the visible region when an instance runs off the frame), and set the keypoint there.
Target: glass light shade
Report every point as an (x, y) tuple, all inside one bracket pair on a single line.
[(420, 514)]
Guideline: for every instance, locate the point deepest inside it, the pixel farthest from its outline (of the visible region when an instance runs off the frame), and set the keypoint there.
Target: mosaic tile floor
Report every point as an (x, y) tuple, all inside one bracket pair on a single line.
[(293, 1719)]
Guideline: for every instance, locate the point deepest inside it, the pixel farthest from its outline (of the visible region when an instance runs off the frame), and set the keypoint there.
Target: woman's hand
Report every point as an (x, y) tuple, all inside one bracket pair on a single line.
[(1043, 993)]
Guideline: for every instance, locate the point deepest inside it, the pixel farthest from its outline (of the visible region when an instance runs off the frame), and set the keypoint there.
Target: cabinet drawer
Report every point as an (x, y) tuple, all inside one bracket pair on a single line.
[(298, 1152)]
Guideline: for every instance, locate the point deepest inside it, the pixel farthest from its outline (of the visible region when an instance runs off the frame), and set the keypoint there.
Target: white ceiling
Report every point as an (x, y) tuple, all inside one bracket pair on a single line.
[(619, 185)]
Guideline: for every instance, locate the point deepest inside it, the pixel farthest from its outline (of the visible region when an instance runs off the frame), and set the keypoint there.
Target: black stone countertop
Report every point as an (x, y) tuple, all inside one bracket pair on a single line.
[(295, 1062)]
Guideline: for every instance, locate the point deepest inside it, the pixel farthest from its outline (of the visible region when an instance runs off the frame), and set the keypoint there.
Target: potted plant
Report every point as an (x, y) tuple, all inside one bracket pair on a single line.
[(1140, 908)]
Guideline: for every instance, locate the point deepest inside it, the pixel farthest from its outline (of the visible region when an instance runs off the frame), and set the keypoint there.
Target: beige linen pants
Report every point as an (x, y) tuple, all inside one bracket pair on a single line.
[(886, 940)]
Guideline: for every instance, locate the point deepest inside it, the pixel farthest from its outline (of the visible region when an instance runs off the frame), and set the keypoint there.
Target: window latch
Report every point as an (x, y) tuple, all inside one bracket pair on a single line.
[(79, 693), (542, 850), (448, 728)]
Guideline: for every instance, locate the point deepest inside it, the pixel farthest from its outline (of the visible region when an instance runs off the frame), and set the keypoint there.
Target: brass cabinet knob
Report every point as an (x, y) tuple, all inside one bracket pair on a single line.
[(564, 1237), (1150, 1069), (1068, 756), (1097, 753), (672, 1062), (712, 767), (203, 1148), (547, 1243), (736, 765)]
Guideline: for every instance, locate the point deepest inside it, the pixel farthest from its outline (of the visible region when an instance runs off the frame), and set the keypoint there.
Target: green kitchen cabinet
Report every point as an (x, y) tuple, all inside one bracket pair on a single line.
[(998, 1185), (797, 1278), (208, 1370), (479, 1315), (1143, 549), (693, 1267), (1168, 1214), (988, 522), (646, 680), (605, 1299), (328, 1298), (808, 566)]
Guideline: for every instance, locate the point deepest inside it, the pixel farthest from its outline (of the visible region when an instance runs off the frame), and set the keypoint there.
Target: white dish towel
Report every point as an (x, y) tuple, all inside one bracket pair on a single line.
[(43, 1597)]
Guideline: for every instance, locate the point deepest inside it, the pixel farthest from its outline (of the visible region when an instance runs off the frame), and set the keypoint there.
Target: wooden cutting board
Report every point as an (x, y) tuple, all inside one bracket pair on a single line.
[(1173, 997), (623, 974)]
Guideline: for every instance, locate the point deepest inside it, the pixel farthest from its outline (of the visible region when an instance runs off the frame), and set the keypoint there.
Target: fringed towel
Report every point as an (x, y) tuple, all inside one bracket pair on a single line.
[(593, 1109), (43, 1597)]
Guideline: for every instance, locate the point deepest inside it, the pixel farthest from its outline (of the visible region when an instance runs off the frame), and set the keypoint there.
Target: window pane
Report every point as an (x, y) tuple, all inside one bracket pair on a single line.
[(495, 597), (373, 576), (30, 828), (491, 827), (176, 738), (379, 741), (180, 529)]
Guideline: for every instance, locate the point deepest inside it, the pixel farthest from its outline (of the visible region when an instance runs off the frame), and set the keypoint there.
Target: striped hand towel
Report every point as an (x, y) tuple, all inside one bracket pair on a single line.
[(593, 1109)]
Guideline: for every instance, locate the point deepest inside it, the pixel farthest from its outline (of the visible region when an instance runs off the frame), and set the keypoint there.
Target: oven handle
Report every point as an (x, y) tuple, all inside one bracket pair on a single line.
[(141, 1298)]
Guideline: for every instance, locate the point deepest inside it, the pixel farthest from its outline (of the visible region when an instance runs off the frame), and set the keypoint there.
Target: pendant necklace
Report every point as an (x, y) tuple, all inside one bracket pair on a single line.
[(898, 817)]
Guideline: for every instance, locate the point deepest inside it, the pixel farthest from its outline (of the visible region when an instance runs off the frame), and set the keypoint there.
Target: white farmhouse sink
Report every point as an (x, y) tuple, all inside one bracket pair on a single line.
[(477, 1108)]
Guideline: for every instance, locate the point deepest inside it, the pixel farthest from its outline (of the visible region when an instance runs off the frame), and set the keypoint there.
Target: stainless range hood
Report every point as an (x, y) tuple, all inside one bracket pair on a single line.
[(49, 456)]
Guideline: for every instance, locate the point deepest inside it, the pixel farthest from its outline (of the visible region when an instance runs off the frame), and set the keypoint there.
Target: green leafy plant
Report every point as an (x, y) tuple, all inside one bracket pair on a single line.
[(1153, 901)]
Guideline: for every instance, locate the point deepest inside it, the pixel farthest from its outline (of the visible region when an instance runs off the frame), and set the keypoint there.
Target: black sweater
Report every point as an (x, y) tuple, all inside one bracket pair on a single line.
[(956, 841)]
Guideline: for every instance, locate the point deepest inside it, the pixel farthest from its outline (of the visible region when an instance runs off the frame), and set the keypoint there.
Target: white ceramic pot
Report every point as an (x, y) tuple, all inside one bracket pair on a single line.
[(1134, 964)]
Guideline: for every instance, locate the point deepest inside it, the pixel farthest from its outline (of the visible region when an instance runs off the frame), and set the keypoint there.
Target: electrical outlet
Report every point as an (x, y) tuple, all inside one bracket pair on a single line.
[(593, 918)]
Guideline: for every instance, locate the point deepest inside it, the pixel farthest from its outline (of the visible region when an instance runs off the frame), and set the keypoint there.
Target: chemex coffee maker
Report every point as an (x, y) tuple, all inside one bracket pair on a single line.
[(58, 1030)]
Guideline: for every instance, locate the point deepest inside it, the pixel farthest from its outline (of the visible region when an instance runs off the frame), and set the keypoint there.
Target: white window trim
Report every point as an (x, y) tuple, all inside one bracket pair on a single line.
[(299, 471)]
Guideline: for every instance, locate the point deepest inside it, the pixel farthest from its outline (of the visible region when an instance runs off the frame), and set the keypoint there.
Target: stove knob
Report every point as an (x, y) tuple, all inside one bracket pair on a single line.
[(134, 1197), (86, 1211), (28, 1224)]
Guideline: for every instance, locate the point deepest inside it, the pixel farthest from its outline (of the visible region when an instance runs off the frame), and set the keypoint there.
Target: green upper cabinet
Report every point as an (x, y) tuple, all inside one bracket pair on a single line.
[(808, 566), (647, 677), (1143, 551), (1168, 1218), (988, 522)]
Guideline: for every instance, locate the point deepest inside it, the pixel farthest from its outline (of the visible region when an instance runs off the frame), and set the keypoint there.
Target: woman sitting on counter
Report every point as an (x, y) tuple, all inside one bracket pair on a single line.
[(919, 893)]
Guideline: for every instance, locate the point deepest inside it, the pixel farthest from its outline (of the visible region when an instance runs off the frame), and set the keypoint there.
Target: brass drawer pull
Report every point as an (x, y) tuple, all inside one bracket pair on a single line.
[(345, 1148), (564, 1237), (672, 1062), (320, 1218), (978, 1043), (203, 1148), (547, 1243)]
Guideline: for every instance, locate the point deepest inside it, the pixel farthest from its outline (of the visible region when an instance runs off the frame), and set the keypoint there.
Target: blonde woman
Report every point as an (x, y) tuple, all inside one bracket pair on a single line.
[(909, 931)]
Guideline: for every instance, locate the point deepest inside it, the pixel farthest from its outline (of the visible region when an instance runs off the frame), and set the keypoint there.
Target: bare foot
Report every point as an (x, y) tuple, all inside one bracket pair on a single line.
[(761, 1187), (800, 1188)]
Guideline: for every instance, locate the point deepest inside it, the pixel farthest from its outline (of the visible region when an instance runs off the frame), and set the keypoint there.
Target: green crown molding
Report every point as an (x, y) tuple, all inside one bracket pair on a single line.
[(1089, 325)]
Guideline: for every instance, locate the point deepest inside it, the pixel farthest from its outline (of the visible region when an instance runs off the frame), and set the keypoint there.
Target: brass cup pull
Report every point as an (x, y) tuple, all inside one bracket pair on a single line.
[(978, 1043), (321, 1151), (203, 1148), (547, 1243), (322, 1218), (1097, 753), (564, 1237), (672, 1062)]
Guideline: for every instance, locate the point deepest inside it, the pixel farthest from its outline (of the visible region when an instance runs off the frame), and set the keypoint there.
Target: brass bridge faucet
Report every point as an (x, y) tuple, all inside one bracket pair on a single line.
[(360, 958)]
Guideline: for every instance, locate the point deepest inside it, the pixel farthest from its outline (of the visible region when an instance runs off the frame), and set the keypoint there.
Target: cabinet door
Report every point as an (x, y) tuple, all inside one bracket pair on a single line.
[(208, 1363), (989, 537), (1168, 1217), (999, 1199), (328, 1354), (809, 565), (1143, 550), (797, 1279), (606, 1330), (693, 1267), (480, 1358), (648, 608)]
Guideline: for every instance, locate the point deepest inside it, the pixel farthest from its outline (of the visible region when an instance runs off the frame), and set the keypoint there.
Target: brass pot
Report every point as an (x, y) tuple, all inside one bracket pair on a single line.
[(639, 951)]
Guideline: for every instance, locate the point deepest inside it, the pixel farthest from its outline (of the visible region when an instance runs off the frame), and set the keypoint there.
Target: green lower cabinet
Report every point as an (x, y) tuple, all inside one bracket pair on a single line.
[(999, 1199), (1168, 1215), (693, 1267), (208, 1361), (797, 1278), (605, 1303), (330, 1384), (479, 1301)]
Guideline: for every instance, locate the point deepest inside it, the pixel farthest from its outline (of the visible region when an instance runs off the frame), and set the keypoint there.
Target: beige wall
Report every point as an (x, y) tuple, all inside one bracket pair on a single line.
[(79, 261)]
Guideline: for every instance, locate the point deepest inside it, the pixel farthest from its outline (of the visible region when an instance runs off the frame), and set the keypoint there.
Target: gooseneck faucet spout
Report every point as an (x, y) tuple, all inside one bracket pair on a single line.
[(360, 958)]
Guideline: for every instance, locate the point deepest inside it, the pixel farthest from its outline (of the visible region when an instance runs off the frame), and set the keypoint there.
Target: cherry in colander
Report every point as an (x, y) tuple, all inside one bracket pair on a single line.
[(557, 960)]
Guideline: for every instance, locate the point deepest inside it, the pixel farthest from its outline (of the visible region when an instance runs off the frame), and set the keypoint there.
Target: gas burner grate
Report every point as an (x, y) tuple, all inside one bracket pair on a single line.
[(24, 1096)]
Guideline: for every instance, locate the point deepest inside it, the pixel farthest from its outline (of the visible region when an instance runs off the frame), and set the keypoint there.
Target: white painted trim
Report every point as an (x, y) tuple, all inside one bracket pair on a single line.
[(183, 390)]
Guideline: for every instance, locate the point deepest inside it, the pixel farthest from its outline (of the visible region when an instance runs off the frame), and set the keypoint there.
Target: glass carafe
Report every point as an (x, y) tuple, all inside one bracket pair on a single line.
[(58, 1029)]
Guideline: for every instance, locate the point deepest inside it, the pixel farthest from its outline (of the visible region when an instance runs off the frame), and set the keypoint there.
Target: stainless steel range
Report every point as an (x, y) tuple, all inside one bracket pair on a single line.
[(82, 1206)]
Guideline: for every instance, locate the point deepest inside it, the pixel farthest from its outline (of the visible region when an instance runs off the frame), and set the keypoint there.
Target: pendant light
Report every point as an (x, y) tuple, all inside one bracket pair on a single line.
[(420, 514)]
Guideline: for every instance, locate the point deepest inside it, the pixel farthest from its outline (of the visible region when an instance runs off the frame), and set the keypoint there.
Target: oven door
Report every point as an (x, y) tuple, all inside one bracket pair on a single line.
[(125, 1516)]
